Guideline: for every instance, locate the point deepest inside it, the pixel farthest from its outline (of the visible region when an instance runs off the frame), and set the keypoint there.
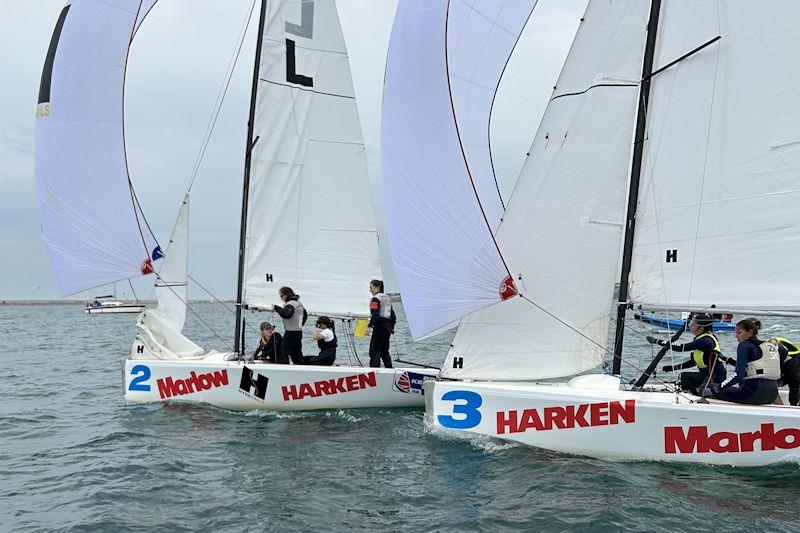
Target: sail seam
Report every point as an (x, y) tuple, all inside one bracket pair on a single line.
[(291, 86), (594, 87)]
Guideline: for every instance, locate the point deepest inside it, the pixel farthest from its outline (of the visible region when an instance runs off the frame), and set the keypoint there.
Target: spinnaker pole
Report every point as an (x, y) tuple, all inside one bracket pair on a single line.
[(246, 181), (633, 191)]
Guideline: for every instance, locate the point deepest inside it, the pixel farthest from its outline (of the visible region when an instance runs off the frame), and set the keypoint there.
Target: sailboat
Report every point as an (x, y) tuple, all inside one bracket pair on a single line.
[(666, 160), (306, 216)]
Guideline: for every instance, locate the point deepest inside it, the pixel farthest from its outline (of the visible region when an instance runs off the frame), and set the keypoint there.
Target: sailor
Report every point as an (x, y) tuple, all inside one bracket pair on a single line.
[(294, 316), (381, 325), (269, 345), (706, 354), (757, 368), (326, 340), (790, 368)]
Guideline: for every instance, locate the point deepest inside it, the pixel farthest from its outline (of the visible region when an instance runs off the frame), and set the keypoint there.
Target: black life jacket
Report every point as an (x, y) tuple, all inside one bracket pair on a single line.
[(328, 345)]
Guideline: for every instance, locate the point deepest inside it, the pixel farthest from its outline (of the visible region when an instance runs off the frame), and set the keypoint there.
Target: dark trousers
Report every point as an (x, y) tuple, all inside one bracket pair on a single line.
[(790, 376), (379, 347), (753, 392), (325, 358), (292, 347), (694, 381)]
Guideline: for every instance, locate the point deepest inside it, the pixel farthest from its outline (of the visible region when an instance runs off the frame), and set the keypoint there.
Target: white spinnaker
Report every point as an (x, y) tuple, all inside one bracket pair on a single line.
[(311, 225), (562, 230), (440, 218), (92, 226), (172, 282), (480, 39), (719, 190)]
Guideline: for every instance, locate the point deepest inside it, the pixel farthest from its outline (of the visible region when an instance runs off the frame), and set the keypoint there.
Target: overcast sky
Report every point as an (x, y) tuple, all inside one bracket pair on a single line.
[(175, 70)]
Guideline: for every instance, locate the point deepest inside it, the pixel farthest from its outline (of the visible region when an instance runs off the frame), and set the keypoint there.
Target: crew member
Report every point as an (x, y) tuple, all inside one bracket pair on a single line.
[(757, 368), (706, 354), (790, 368), (294, 316), (269, 345), (326, 340), (381, 325)]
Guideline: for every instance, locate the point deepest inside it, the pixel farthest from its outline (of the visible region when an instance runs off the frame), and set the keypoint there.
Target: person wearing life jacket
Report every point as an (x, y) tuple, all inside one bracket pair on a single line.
[(294, 316), (381, 325), (326, 340), (269, 346), (790, 368), (706, 355), (758, 368)]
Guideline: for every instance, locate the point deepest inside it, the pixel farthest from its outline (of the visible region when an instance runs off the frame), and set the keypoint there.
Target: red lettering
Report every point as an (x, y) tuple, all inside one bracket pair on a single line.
[(767, 437), (180, 387), (367, 380), (598, 414), (747, 441), (352, 382), (166, 388), (530, 419), (580, 416), (323, 387), (696, 439), (555, 416), (305, 390), (290, 393), (219, 378), (190, 381), (782, 438), (338, 385), (205, 381), (731, 442), (627, 412), (507, 422)]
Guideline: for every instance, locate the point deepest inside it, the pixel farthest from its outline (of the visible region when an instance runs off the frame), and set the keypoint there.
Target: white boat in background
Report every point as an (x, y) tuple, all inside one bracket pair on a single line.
[(305, 153), (104, 304), (694, 98)]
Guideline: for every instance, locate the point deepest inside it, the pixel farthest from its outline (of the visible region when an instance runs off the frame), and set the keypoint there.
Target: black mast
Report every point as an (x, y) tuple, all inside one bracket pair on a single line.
[(246, 180), (636, 171)]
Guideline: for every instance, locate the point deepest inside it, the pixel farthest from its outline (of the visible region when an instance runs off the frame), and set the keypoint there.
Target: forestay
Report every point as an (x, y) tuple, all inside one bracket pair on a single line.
[(441, 197), (562, 230), (91, 222), (311, 225), (717, 219)]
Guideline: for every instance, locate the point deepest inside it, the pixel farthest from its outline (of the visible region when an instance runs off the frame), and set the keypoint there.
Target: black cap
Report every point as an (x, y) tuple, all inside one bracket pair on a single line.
[(703, 320)]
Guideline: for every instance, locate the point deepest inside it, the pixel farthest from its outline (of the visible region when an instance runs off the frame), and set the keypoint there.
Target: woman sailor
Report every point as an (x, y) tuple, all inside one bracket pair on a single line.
[(326, 341), (381, 325), (790, 368), (294, 316), (269, 346), (706, 354), (757, 368)]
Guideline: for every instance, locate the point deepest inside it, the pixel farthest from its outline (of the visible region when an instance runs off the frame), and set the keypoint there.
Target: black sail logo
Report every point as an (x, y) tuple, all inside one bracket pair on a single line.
[(305, 30), (47, 71)]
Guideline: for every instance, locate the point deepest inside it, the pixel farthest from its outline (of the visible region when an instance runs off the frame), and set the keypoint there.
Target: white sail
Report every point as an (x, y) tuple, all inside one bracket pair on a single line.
[(91, 222), (717, 216), (562, 230), (442, 202), (310, 221)]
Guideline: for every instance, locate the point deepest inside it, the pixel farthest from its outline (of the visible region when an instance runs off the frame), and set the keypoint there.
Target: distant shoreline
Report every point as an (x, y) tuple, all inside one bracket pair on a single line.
[(83, 302)]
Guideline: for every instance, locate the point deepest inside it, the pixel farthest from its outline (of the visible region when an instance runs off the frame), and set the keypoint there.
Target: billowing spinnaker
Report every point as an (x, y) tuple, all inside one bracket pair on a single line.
[(562, 230), (311, 225), (717, 220), (172, 282), (91, 223), (441, 198), (480, 39)]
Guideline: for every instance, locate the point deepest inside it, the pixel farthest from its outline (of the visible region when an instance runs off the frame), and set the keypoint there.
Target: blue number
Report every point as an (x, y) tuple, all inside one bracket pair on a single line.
[(144, 375), (472, 417)]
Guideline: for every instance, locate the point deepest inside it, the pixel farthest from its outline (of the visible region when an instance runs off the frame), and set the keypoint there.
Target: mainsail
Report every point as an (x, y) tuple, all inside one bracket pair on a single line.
[(442, 201), (562, 231), (717, 219), (310, 222), (91, 221)]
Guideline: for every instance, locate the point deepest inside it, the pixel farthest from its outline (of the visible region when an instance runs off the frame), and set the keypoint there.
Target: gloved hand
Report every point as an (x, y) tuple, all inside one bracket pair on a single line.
[(707, 393), (668, 368), (653, 340)]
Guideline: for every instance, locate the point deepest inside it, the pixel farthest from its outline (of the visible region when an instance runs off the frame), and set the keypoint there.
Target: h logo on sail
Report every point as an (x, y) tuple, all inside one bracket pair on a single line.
[(253, 384), (672, 255)]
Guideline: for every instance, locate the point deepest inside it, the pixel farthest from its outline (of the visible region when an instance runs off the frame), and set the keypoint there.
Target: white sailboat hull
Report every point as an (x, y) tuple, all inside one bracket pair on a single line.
[(242, 386), (133, 308), (608, 423)]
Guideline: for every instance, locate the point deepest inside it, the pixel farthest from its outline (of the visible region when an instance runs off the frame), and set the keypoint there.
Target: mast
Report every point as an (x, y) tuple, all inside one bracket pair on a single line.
[(246, 180), (636, 171)]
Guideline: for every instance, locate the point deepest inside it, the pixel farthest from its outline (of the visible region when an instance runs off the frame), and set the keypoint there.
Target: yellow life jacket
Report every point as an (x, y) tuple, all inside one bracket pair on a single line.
[(697, 355), (791, 348)]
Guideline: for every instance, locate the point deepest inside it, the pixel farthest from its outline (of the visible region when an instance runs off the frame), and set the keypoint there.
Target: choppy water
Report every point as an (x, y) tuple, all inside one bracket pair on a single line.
[(73, 456)]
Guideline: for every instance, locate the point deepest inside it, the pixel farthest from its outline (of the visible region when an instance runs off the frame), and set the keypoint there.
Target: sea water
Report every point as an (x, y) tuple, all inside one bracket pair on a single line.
[(74, 456)]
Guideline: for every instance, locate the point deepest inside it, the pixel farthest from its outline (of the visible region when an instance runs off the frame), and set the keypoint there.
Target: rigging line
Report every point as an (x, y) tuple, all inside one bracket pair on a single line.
[(217, 300), (594, 87), (299, 88), (461, 144), (685, 56), (220, 98), (133, 291), (703, 178), (178, 296)]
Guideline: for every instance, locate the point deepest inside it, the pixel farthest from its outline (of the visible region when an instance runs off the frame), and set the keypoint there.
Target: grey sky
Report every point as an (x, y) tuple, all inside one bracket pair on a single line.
[(176, 66)]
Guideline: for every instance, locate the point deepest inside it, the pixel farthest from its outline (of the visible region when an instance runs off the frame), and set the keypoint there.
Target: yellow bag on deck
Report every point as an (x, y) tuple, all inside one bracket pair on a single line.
[(361, 328)]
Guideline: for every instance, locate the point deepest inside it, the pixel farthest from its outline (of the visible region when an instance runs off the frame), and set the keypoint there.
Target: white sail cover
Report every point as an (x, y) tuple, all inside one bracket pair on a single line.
[(441, 197), (91, 222), (172, 282), (717, 220), (310, 221), (562, 230)]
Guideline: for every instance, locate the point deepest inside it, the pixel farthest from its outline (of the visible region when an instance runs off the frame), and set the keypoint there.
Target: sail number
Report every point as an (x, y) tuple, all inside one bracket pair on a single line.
[(141, 373), (469, 416)]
